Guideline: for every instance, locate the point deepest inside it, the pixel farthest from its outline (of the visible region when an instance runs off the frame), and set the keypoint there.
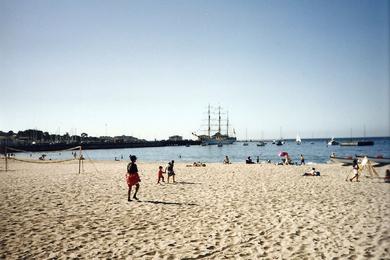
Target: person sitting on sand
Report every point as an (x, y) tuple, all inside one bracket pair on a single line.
[(312, 173), (170, 171), (196, 164), (226, 160), (249, 160), (132, 177), (160, 174), (355, 169)]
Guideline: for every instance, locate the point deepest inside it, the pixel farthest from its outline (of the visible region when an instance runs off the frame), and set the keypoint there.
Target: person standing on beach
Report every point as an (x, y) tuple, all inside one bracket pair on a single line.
[(302, 160), (170, 171), (132, 177), (160, 174), (355, 168)]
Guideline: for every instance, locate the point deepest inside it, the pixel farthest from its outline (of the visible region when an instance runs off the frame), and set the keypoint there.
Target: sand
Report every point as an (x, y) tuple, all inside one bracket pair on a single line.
[(219, 211)]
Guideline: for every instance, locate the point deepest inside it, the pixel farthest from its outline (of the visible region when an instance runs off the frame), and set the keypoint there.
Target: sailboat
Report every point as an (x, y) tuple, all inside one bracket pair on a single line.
[(218, 138), (280, 141), (298, 140), (246, 138), (333, 142), (365, 142), (357, 143), (262, 143)]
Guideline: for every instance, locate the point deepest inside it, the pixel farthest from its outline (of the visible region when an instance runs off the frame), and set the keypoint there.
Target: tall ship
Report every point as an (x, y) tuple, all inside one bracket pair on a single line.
[(215, 136)]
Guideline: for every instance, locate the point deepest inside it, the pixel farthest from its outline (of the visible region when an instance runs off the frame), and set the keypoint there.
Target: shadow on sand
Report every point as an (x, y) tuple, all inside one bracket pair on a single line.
[(169, 203), (186, 182)]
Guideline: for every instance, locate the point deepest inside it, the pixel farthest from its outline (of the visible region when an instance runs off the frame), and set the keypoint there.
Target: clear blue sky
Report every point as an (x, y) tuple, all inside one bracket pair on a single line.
[(150, 68)]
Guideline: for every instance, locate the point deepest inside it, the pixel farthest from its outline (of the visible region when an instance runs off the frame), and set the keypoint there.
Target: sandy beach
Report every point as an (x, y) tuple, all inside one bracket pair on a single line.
[(219, 211)]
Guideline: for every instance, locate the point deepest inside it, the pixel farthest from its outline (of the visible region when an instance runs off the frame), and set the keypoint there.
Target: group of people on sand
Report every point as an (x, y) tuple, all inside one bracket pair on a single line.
[(286, 160), (133, 179), (169, 170)]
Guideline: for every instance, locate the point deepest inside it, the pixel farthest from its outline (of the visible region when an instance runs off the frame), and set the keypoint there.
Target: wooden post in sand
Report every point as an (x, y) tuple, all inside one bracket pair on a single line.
[(6, 159), (80, 160)]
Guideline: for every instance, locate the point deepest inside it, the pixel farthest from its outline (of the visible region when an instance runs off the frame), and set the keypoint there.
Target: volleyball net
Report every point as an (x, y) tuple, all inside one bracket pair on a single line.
[(12, 154)]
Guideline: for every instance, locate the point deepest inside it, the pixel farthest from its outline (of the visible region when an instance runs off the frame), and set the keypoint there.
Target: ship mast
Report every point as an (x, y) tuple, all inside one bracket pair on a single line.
[(227, 123), (219, 119), (209, 129)]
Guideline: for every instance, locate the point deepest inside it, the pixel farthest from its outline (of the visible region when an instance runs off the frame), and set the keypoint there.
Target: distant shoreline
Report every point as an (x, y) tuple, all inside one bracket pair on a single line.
[(90, 146)]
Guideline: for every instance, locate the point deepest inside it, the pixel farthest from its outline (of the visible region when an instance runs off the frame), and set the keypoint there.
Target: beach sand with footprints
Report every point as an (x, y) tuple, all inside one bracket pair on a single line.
[(218, 211)]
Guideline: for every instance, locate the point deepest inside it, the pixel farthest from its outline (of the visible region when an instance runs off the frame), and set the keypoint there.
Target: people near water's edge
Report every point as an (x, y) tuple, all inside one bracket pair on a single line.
[(355, 169), (160, 174), (249, 160), (286, 160), (132, 177), (226, 160), (170, 171), (313, 172), (258, 159), (302, 160)]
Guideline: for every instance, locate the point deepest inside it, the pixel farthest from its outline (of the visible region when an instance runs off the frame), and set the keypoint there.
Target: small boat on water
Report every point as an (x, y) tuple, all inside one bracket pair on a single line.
[(298, 140), (365, 143), (357, 143), (279, 142), (261, 143), (348, 160), (245, 144), (333, 142), (349, 144), (377, 159), (219, 144)]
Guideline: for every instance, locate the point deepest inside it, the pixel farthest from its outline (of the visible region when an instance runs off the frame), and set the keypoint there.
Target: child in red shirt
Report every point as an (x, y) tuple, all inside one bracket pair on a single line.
[(160, 174)]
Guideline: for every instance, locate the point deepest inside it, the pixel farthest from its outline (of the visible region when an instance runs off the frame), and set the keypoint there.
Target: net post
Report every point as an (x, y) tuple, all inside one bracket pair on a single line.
[(6, 159), (80, 160)]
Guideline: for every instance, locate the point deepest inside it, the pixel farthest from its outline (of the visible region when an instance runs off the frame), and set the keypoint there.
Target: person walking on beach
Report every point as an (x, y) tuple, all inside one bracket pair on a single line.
[(302, 160), (170, 171), (132, 177), (355, 168), (160, 174)]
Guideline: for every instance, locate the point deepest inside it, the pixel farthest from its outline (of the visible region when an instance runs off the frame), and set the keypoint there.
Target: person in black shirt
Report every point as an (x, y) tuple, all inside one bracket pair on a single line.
[(249, 160), (132, 177)]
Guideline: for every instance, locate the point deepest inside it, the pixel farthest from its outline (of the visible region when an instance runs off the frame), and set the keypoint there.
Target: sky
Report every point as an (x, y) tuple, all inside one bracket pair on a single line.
[(151, 68)]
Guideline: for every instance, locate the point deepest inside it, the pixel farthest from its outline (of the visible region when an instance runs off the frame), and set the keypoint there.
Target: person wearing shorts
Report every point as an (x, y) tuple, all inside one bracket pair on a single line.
[(170, 171), (355, 170)]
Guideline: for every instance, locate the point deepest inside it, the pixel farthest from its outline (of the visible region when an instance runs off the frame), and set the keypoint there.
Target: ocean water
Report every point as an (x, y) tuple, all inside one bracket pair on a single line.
[(315, 151)]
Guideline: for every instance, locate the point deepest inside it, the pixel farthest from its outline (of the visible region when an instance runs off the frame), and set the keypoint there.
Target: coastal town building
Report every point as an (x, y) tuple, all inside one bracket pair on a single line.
[(175, 138)]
